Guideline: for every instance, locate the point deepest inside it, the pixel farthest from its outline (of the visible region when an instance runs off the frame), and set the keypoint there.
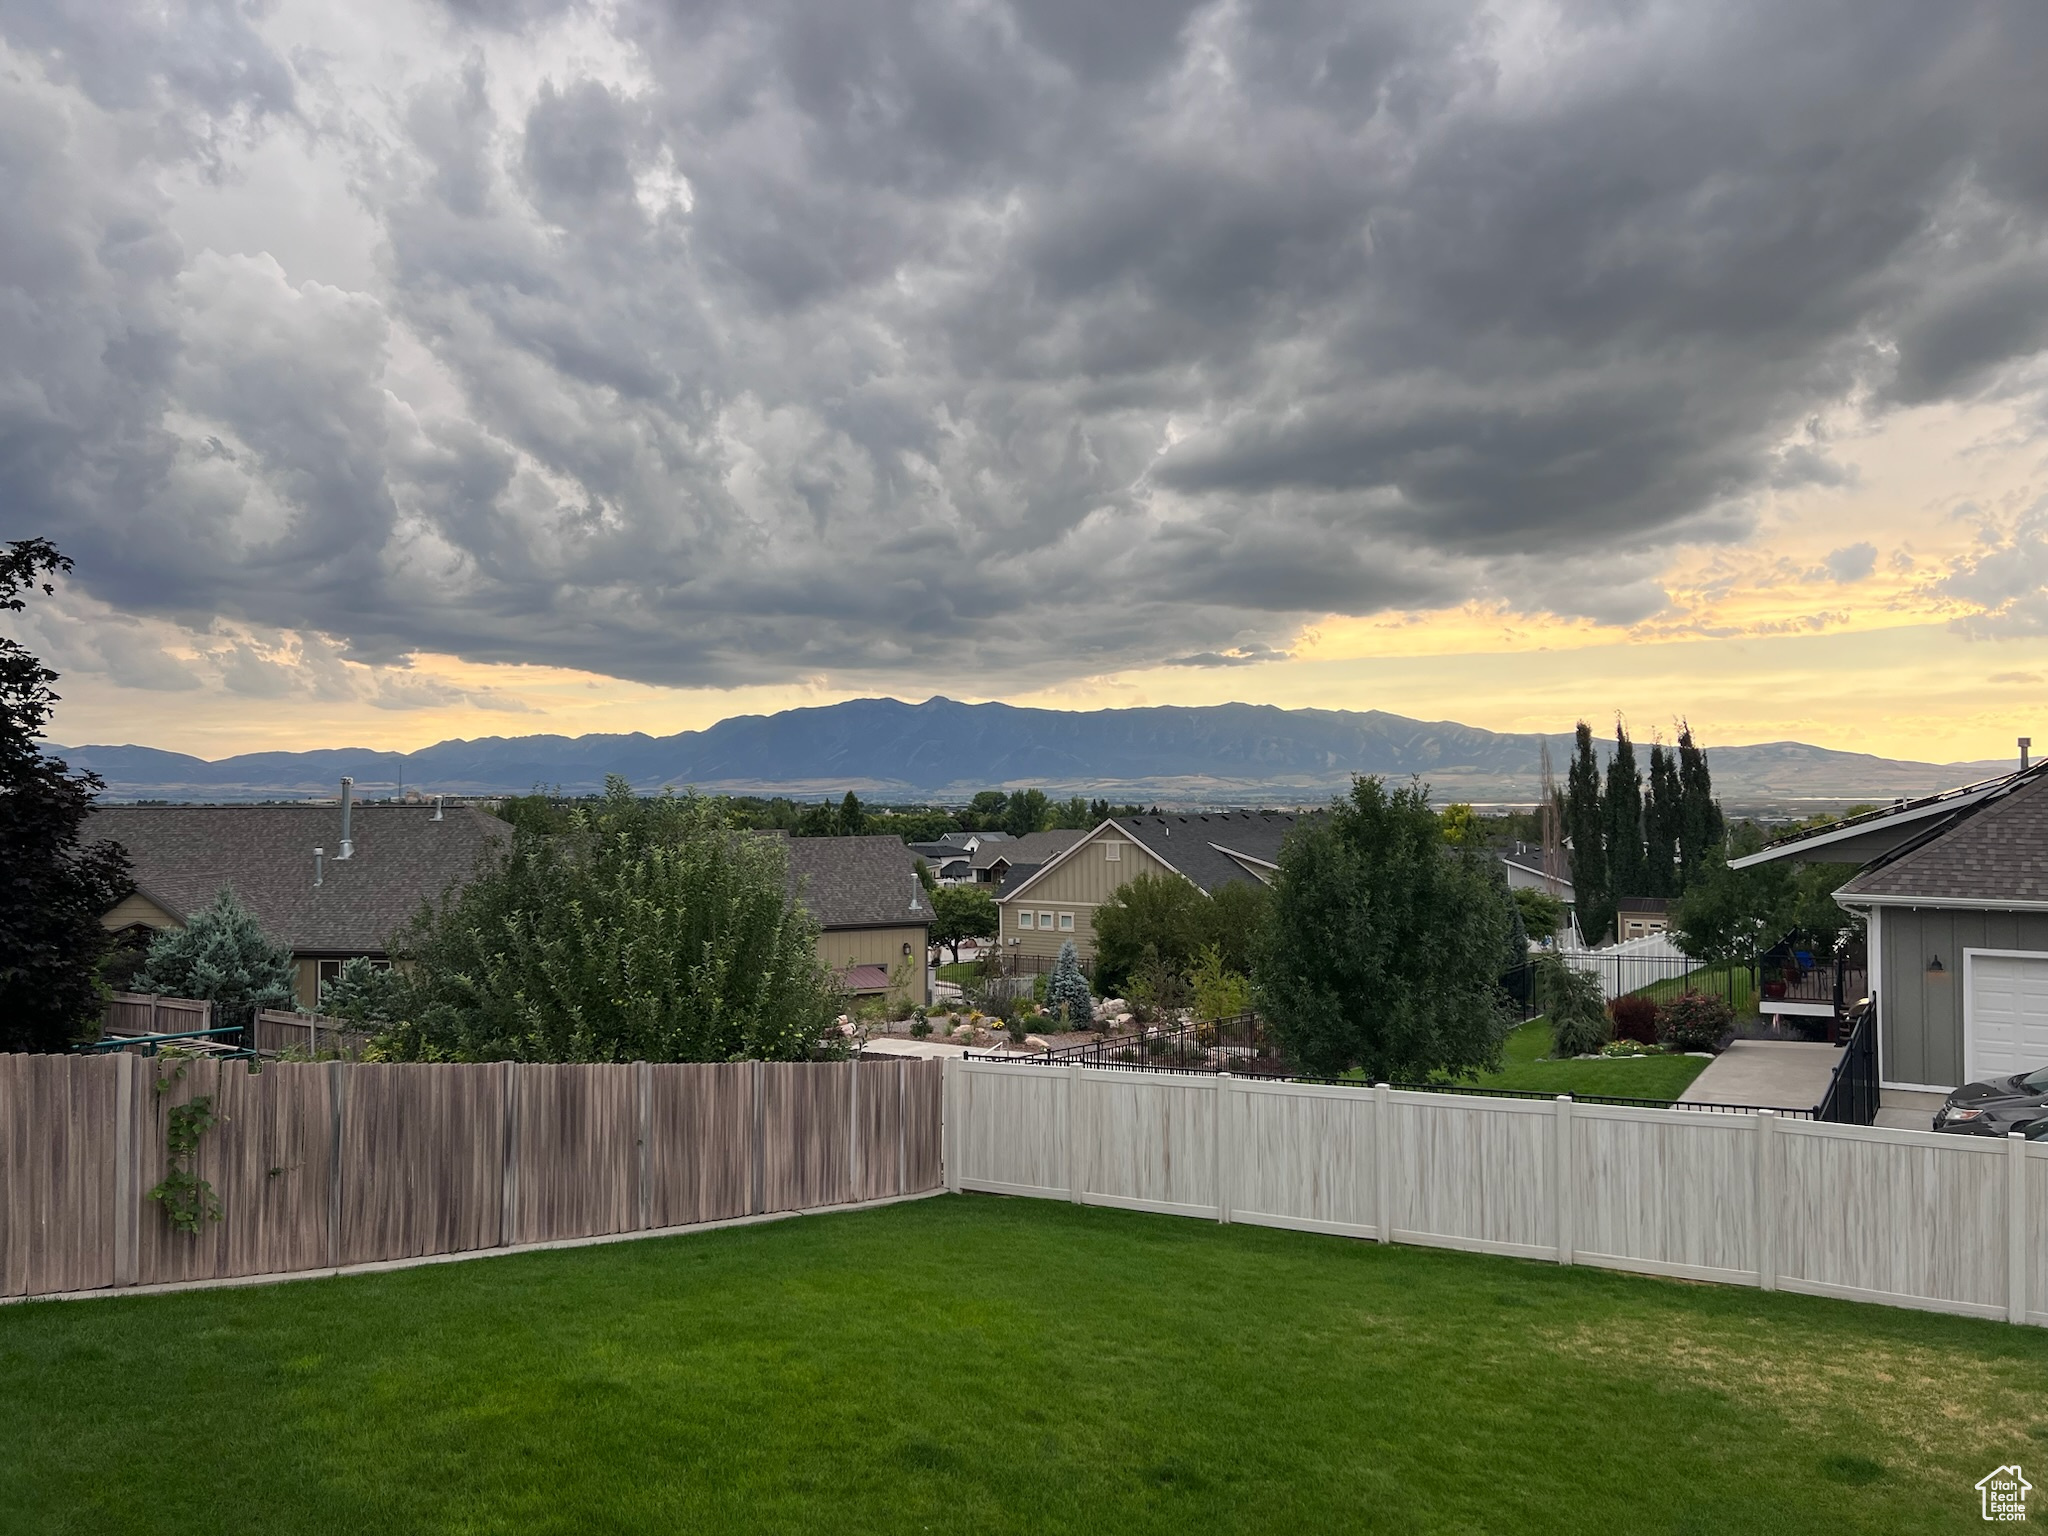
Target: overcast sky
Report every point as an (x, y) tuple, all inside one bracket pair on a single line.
[(396, 370)]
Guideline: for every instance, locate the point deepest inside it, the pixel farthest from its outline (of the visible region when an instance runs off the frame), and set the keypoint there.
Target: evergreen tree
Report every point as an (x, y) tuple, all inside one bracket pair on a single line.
[(1663, 813), (1623, 818), (1701, 830), (1584, 826), (222, 954), (53, 887), (852, 820), (1066, 990)]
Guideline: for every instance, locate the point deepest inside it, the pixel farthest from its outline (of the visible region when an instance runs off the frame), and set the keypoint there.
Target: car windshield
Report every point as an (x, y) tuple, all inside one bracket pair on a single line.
[(2036, 1081)]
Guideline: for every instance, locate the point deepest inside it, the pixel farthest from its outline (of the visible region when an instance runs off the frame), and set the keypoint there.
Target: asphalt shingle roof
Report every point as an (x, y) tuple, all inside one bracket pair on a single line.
[(181, 856), (1032, 848), (1997, 851), (857, 882), (1196, 843)]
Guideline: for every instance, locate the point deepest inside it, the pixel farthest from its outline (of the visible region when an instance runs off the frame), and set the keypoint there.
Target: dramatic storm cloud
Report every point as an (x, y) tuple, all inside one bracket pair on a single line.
[(727, 343)]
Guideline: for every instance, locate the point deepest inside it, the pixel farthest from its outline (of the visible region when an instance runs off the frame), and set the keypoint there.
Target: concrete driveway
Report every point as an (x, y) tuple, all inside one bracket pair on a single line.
[(1774, 1074)]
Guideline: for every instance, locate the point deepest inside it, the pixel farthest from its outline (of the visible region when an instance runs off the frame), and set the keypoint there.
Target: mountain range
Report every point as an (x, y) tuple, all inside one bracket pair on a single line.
[(944, 751)]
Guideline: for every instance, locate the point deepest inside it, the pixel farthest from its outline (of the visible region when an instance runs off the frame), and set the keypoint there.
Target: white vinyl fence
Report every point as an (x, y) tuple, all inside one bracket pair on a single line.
[(1907, 1218)]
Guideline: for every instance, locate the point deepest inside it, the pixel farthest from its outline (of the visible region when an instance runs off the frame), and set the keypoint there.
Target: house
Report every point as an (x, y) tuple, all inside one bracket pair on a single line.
[(1042, 905), (329, 909), (1524, 868), (1954, 893), (872, 912), (949, 863), (1637, 917), (993, 861)]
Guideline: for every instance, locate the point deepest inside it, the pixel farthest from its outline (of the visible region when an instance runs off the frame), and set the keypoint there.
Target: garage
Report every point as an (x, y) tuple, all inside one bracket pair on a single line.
[(2005, 1022)]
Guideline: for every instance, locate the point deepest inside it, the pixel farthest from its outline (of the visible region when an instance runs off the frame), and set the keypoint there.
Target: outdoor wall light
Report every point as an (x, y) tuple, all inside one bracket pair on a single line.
[(1936, 971), (906, 946)]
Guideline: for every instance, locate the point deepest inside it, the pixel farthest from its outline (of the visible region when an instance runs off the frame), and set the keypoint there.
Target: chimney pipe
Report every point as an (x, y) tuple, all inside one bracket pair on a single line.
[(437, 809), (319, 870), (2026, 746), (348, 849)]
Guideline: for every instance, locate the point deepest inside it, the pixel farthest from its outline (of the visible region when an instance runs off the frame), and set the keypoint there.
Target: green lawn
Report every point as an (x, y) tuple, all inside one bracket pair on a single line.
[(1637, 1077), (979, 1364), (960, 973), (1729, 979)]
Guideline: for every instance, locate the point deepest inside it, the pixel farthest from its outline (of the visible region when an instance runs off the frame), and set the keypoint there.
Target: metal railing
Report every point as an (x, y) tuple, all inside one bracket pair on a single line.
[(1243, 1047), (1853, 1093), (148, 1045)]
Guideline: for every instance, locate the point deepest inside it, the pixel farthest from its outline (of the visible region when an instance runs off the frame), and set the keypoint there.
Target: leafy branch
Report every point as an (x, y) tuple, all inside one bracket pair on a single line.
[(187, 1199)]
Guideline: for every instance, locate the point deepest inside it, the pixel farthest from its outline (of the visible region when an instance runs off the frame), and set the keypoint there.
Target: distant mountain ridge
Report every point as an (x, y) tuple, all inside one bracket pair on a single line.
[(941, 749)]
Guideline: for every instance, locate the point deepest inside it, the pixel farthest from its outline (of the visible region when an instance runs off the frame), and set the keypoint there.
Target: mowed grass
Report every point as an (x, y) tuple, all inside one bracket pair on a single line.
[(1627, 1077), (980, 1364), (1729, 979)]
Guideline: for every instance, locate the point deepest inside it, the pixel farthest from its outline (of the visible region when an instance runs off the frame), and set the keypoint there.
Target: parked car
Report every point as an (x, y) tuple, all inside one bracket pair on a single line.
[(1996, 1108)]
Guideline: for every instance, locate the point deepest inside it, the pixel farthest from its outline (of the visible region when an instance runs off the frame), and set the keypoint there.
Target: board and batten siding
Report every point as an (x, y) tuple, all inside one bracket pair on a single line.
[(840, 947), (137, 910), (1085, 879), (1920, 1016)]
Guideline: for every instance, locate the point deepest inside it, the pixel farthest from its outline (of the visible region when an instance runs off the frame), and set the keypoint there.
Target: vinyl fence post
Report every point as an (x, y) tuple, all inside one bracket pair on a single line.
[(1383, 1162), (508, 1212), (1224, 1150), (2017, 1250), (127, 1227), (1073, 1094), (1767, 1199), (643, 1085), (950, 1090), (337, 1106), (1563, 1181)]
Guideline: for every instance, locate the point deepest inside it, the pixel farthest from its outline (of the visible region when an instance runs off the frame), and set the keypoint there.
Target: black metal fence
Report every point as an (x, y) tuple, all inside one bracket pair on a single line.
[(1853, 1092)]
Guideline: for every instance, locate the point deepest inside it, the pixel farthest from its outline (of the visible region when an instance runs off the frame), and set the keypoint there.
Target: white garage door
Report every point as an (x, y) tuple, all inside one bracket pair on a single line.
[(2007, 1023)]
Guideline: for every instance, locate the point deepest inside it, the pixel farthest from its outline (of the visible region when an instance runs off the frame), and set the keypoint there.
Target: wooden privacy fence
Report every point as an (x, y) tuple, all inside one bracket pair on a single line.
[(279, 1030), (144, 1013), (1907, 1218), (319, 1165)]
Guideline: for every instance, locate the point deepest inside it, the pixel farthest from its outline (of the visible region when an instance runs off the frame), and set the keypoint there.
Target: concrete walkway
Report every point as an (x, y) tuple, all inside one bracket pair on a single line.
[(1777, 1074)]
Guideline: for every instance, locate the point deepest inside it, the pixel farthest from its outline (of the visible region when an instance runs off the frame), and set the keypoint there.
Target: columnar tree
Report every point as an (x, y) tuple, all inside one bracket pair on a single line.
[(1622, 818), (853, 820), (1585, 826), (1663, 814), (1701, 830), (1382, 945), (53, 886)]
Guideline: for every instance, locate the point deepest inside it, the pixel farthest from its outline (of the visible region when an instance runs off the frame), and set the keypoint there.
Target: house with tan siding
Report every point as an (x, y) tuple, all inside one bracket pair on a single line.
[(1040, 906), (872, 911), (326, 911)]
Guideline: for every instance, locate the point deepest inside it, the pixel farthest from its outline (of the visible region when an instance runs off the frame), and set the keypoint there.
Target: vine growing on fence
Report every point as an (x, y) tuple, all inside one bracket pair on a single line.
[(187, 1199)]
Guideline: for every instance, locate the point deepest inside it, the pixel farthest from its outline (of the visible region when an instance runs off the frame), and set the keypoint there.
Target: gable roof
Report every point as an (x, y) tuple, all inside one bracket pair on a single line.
[(1031, 848), (181, 855), (1994, 853), (1874, 834), (1211, 849), (858, 882)]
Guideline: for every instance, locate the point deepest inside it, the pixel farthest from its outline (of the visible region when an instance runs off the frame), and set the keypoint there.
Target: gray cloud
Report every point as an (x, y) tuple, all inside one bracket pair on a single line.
[(1016, 342)]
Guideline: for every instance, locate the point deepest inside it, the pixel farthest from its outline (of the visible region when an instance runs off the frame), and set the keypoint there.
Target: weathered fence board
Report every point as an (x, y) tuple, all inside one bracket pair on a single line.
[(313, 1034), (318, 1165), (144, 1013), (56, 1185), (423, 1154)]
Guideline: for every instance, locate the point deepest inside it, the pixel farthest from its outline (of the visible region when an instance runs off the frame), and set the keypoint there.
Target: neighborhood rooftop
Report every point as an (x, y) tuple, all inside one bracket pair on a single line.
[(182, 855), (857, 882), (1993, 852)]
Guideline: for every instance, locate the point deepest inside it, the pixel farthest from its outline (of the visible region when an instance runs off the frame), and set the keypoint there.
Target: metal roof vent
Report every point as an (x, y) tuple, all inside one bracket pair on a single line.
[(437, 809), (348, 791), (319, 866)]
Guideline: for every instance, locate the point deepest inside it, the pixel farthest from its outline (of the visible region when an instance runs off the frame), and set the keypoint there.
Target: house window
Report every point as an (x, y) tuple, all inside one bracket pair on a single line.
[(1023, 920), (1112, 853), (1066, 922), (1045, 921)]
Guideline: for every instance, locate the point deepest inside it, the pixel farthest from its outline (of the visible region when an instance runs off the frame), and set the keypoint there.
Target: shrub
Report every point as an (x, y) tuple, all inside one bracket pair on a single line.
[(920, 1026), (1572, 1001), (1635, 1018), (1220, 993), (365, 993), (224, 955), (1694, 1022)]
